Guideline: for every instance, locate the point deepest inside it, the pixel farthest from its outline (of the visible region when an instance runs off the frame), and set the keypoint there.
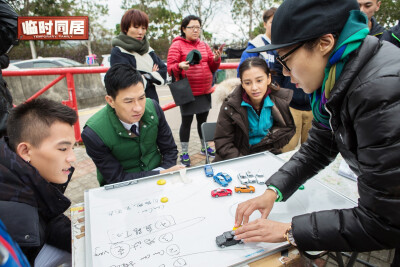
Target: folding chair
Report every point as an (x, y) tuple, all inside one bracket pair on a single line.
[(208, 131)]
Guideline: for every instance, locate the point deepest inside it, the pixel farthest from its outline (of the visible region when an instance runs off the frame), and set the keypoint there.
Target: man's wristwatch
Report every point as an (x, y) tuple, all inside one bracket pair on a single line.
[(289, 236)]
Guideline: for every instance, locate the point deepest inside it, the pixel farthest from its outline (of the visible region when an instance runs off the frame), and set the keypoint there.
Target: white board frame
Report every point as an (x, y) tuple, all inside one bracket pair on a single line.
[(232, 167)]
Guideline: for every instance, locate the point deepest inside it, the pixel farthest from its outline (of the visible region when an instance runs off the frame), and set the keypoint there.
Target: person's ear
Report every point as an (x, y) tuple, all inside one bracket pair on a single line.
[(265, 25), (326, 44), (269, 78), (24, 151), (110, 101), (378, 5)]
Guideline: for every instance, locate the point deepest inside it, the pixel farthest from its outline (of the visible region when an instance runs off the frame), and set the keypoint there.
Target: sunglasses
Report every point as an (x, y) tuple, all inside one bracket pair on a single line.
[(281, 59)]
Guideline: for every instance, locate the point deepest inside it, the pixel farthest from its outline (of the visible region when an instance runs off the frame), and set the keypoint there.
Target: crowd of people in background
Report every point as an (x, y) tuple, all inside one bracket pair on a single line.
[(311, 80)]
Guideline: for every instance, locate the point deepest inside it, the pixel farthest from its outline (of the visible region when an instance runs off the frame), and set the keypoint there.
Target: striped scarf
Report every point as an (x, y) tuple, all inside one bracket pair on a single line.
[(353, 34)]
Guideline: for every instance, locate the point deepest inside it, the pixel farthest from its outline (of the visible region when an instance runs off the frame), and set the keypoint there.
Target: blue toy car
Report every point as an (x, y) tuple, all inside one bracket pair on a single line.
[(219, 179), (208, 170), (226, 176)]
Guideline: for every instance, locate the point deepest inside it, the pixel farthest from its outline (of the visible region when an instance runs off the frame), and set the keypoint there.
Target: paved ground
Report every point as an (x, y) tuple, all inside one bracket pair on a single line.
[(84, 177)]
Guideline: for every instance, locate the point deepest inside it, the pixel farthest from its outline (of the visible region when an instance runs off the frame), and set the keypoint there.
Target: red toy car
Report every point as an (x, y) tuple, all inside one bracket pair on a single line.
[(220, 192)]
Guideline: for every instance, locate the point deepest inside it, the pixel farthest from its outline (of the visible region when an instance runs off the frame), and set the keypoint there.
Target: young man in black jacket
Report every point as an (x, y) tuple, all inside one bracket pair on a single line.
[(35, 168), (393, 35), (369, 7), (353, 80)]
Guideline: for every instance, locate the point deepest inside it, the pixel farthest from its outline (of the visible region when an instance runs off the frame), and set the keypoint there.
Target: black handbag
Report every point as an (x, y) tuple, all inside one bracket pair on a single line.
[(181, 91)]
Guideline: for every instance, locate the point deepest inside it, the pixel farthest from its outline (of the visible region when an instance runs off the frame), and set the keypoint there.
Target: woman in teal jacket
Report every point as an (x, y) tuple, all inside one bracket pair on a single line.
[(255, 117)]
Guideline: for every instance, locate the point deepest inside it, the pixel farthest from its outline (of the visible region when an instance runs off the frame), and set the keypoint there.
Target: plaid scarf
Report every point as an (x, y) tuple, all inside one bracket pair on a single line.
[(350, 39)]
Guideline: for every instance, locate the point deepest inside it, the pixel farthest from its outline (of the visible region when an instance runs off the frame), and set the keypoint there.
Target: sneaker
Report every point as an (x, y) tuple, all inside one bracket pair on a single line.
[(210, 151), (185, 160)]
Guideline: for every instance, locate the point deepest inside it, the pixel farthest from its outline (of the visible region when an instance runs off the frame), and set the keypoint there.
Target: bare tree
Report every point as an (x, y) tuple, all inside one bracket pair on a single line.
[(95, 9), (204, 9), (248, 13)]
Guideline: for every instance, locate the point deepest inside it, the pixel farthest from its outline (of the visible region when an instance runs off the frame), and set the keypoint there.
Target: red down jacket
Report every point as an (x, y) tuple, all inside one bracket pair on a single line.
[(200, 75)]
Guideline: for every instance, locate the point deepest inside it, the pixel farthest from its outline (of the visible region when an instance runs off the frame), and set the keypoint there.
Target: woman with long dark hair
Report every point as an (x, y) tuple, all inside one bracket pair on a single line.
[(255, 116)]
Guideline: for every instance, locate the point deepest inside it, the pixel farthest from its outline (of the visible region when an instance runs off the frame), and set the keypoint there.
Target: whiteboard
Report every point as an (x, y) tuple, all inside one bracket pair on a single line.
[(130, 226)]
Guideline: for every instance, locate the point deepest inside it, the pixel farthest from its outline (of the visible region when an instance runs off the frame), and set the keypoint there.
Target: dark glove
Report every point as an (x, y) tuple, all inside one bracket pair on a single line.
[(151, 79)]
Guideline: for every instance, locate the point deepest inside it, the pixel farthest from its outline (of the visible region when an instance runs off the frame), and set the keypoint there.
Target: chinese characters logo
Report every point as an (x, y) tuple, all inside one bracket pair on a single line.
[(53, 28)]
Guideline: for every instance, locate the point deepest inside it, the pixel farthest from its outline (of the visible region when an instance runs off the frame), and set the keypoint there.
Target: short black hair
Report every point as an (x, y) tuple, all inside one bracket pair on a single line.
[(30, 121), (121, 76), (186, 22), (132, 18)]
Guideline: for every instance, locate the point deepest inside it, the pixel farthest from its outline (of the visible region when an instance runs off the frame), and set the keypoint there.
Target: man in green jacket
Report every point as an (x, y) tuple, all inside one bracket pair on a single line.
[(129, 138)]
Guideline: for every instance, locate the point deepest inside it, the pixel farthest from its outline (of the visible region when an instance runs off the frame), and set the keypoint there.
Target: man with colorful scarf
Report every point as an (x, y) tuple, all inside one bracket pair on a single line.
[(353, 80)]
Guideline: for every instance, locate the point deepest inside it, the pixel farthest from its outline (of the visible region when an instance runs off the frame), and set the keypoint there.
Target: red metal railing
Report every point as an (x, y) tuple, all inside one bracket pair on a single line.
[(68, 73)]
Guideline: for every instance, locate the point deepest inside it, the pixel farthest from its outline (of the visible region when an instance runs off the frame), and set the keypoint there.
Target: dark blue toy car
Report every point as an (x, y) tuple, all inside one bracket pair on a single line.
[(226, 176), (208, 170), (219, 179)]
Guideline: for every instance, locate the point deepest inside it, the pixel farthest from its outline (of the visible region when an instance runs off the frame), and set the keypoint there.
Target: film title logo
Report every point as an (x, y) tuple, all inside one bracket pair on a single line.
[(53, 28)]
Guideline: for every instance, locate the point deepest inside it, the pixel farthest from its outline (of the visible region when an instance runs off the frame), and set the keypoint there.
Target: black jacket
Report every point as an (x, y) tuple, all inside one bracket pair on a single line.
[(5, 97), (365, 108), (392, 35), (30, 207), (376, 29)]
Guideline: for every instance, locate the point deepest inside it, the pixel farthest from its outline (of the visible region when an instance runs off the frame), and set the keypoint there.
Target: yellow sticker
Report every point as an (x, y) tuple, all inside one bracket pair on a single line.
[(164, 199), (76, 208), (161, 182), (234, 228)]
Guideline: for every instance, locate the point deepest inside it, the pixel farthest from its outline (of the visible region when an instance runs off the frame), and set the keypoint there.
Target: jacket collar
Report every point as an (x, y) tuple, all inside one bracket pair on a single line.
[(147, 118), (21, 182), (376, 28)]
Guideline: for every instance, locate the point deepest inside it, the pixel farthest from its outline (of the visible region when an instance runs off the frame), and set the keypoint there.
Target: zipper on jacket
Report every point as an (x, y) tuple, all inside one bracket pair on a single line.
[(330, 117), (332, 132)]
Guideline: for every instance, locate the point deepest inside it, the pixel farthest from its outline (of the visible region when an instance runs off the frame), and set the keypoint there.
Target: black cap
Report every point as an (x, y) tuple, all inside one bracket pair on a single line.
[(296, 21)]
